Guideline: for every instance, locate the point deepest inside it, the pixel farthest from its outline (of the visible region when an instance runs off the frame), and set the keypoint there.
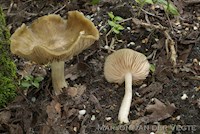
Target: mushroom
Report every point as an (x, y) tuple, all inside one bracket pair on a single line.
[(51, 39), (129, 66)]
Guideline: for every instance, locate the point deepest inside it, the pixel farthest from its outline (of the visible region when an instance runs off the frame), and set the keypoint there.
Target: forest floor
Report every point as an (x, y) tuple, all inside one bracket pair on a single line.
[(172, 89)]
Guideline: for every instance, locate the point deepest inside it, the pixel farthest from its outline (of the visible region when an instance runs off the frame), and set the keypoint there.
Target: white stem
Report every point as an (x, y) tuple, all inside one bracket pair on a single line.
[(126, 102), (57, 74)]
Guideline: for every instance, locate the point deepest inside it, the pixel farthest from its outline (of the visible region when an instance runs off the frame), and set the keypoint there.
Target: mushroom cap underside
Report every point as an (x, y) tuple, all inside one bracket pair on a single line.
[(52, 38), (124, 61)]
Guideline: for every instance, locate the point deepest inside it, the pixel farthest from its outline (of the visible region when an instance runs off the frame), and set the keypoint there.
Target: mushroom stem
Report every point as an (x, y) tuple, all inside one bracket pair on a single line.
[(57, 74), (126, 102)]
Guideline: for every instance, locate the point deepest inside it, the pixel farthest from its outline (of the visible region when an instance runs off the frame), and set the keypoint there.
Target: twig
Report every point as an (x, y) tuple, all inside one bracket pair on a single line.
[(10, 7), (169, 42), (147, 25), (146, 12), (106, 38), (193, 77), (60, 9), (169, 21), (111, 44), (191, 1), (124, 20)]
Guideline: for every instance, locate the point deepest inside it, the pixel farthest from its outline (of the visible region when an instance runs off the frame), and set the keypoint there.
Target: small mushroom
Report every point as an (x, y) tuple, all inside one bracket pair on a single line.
[(51, 39), (129, 66)]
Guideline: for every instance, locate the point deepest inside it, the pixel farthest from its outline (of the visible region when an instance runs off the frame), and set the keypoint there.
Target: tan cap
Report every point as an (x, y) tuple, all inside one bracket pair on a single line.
[(123, 61), (51, 38)]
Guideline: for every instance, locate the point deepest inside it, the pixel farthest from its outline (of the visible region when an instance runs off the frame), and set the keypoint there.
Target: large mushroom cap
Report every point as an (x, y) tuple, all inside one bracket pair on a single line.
[(52, 38), (123, 61)]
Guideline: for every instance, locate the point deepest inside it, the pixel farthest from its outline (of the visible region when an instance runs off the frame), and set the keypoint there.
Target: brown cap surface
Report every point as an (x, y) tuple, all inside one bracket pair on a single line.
[(52, 38), (123, 61)]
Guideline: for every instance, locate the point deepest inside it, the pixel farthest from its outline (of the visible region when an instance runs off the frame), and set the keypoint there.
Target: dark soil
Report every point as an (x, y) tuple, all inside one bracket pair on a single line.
[(40, 111)]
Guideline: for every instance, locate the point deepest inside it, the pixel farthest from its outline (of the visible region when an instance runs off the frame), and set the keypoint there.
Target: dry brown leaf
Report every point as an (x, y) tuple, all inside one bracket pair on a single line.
[(25, 69), (54, 112), (27, 119), (58, 108), (5, 117), (159, 111), (164, 129), (188, 68), (152, 90), (94, 100), (81, 89), (71, 112), (15, 129), (45, 130), (75, 91), (75, 71), (29, 68), (72, 91)]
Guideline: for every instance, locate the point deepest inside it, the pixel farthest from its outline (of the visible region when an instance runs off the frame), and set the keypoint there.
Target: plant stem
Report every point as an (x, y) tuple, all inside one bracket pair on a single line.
[(126, 102), (57, 74)]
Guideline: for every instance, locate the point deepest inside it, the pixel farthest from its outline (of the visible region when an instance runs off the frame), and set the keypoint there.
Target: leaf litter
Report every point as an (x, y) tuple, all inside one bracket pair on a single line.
[(158, 112), (88, 90)]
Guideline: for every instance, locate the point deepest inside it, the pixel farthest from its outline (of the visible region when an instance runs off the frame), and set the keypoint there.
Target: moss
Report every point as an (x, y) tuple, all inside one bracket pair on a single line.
[(7, 66)]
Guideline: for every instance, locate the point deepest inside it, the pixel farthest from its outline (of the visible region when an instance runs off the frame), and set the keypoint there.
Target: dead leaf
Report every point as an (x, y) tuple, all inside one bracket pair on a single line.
[(58, 108), (5, 117), (25, 69), (15, 129), (159, 111), (60, 129), (27, 119), (164, 129), (39, 71), (29, 68), (188, 68), (72, 91), (54, 112), (75, 71), (183, 56), (94, 100), (152, 90), (71, 72), (70, 112), (81, 89), (46, 130)]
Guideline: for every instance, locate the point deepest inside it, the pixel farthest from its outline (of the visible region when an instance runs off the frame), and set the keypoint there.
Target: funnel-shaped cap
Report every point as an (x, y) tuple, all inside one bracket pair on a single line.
[(51, 38)]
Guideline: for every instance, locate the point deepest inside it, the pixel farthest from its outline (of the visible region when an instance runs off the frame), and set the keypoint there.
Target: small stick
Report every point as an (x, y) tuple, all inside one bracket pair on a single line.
[(169, 42)]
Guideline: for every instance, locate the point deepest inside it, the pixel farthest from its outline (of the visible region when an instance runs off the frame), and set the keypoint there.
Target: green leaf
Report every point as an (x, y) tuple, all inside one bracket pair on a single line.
[(118, 18), (119, 27), (148, 1), (172, 9), (115, 30), (139, 1), (111, 15), (36, 84), (38, 79), (163, 2), (168, 6), (152, 68), (112, 24), (142, 2), (95, 2), (28, 78), (25, 84)]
